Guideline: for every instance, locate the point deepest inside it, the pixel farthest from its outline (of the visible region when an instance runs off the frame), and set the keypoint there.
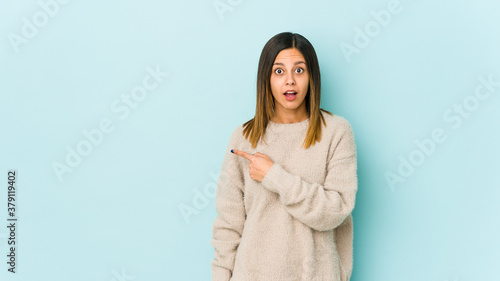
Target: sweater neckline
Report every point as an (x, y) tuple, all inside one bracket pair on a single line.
[(288, 127)]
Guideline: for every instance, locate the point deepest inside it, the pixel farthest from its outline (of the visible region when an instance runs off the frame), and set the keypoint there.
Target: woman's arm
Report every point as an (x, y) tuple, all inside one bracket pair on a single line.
[(321, 207), (231, 214), (344, 243)]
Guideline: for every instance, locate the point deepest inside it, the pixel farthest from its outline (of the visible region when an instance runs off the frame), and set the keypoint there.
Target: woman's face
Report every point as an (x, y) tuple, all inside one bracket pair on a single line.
[(289, 73)]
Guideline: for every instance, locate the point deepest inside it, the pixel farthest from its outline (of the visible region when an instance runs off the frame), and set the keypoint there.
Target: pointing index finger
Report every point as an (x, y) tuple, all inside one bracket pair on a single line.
[(242, 153)]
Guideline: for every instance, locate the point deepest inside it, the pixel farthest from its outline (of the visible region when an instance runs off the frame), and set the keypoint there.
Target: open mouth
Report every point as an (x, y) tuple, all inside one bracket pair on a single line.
[(290, 93)]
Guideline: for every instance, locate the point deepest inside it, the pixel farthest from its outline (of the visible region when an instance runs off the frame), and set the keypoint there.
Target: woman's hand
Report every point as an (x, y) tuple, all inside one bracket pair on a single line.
[(259, 165)]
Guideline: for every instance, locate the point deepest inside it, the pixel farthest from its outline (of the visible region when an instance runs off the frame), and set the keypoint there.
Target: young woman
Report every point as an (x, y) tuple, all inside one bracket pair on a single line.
[(288, 181)]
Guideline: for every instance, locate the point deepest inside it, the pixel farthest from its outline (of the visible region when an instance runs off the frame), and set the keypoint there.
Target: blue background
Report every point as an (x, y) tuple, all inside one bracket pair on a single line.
[(117, 214)]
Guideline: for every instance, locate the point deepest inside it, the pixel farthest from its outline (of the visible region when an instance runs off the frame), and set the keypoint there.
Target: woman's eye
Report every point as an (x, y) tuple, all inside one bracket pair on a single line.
[(300, 70), (278, 71)]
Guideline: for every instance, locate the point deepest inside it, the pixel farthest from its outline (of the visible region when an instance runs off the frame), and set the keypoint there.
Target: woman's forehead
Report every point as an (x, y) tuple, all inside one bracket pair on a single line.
[(293, 56)]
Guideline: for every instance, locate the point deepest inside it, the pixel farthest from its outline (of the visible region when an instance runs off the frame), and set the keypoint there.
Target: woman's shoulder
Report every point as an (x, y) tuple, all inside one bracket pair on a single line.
[(335, 122), (237, 134), (340, 134)]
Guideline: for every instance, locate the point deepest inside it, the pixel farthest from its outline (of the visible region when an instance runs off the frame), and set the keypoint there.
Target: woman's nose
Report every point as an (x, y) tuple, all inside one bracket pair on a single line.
[(290, 79)]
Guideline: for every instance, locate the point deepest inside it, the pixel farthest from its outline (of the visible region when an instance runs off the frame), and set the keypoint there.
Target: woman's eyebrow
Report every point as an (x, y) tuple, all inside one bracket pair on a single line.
[(279, 63)]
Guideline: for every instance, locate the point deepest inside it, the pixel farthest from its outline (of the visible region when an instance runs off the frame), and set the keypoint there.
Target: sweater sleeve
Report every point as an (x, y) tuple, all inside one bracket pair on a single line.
[(344, 243), (321, 207), (231, 215)]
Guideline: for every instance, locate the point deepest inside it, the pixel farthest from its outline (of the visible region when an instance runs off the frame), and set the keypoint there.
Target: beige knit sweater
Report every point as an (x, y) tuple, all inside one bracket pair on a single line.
[(297, 224)]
